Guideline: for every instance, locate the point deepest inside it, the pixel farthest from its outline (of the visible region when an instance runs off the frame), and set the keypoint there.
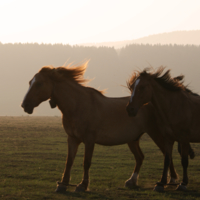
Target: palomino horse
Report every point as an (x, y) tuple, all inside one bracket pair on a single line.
[(177, 111), (90, 117)]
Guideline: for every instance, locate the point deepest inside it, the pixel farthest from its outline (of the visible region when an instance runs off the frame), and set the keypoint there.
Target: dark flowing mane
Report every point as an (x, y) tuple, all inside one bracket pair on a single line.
[(73, 73), (163, 78), (166, 80)]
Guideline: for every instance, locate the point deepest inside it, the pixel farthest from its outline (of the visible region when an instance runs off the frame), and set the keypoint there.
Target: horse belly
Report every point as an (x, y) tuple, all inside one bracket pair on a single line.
[(117, 137)]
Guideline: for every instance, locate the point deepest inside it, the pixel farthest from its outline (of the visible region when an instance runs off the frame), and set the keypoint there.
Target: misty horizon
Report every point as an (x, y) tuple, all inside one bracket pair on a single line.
[(108, 68), (182, 37)]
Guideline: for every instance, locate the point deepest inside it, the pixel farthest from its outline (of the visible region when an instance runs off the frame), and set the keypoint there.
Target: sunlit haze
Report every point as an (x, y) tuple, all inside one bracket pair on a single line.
[(78, 21)]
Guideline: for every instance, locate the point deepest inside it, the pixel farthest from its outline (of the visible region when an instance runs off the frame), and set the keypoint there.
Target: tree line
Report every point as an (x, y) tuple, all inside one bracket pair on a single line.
[(110, 68)]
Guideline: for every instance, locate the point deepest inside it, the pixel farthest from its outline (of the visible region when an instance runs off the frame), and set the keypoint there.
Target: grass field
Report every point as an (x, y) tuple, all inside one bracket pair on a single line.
[(32, 158)]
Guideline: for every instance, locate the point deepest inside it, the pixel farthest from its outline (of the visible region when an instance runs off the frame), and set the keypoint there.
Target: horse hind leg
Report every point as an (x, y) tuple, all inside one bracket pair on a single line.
[(83, 186), (73, 144), (159, 141), (139, 157), (173, 173)]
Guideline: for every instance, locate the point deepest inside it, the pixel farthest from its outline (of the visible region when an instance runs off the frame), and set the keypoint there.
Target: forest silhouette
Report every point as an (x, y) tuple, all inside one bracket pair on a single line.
[(108, 68)]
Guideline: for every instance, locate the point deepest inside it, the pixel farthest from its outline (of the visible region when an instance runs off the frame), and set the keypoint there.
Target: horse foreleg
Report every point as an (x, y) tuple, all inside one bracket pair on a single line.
[(184, 161), (73, 144), (168, 158), (173, 174), (139, 157), (89, 148)]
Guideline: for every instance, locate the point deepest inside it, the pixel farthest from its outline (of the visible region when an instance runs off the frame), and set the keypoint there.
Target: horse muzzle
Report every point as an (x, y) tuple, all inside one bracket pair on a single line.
[(28, 108)]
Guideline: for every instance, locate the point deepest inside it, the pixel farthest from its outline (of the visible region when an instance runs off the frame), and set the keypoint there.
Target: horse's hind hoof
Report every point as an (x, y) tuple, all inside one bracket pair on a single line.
[(158, 188), (129, 184), (80, 188), (61, 187), (181, 188)]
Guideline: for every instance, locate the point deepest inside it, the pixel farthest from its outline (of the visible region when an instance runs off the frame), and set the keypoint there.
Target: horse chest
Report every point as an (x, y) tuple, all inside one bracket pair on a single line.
[(71, 128)]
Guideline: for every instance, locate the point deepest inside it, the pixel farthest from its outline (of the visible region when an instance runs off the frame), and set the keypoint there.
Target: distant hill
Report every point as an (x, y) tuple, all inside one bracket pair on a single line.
[(177, 37)]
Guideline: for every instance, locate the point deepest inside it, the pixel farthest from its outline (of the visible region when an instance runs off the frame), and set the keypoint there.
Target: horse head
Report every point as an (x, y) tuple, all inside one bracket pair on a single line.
[(40, 89), (141, 93)]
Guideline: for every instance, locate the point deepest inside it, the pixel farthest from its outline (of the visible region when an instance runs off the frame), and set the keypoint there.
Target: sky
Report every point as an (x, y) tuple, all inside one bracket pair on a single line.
[(93, 21)]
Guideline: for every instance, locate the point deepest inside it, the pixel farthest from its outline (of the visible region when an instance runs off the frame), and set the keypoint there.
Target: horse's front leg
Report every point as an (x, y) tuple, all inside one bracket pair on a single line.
[(167, 161), (83, 186), (184, 161), (139, 157), (73, 144)]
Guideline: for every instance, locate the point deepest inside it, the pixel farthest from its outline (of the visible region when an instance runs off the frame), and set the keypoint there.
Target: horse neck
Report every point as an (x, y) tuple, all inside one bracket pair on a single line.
[(161, 102), (68, 96)]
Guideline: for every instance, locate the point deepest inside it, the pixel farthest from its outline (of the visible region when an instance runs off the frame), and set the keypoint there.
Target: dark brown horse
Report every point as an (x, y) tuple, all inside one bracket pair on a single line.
[(90, 117), (177, 113)]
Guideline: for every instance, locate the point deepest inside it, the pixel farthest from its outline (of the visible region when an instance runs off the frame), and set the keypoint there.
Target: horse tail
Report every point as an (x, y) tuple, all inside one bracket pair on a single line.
[(190, 153)]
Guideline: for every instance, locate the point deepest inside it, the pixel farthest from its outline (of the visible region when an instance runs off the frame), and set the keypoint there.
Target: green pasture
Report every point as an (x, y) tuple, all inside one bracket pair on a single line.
[(33, 151)]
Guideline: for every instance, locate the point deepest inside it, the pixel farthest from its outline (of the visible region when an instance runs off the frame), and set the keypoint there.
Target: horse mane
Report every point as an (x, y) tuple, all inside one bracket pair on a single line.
[(73, 73), (163, 78)]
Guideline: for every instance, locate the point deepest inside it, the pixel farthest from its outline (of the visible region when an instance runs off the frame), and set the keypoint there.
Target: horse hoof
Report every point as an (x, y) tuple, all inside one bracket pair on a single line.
[(80, 188), (181, 188), (129, 184), (61, 187), (158, 188)]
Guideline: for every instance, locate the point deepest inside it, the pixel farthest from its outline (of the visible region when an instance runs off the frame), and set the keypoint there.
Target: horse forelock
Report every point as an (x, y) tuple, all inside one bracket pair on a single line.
[(136, 74), (132, 80)]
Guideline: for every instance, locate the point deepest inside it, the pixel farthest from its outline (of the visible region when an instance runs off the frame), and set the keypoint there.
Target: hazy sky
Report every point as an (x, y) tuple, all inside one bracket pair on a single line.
[(81, 21)]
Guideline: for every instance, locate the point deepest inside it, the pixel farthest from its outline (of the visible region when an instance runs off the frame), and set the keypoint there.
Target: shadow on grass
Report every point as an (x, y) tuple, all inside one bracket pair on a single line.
[(83, 195)]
